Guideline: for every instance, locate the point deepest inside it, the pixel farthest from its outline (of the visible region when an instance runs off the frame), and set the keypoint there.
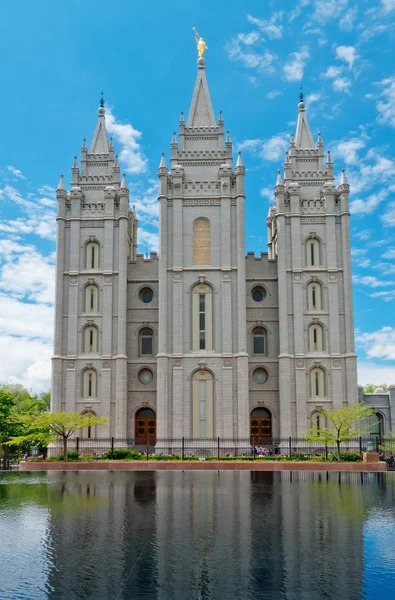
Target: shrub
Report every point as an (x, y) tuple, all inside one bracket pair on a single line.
[(346, 457), (73, 455), (122, 454)]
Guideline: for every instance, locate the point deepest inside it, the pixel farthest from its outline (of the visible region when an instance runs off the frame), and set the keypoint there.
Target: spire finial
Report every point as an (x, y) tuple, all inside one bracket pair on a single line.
[(301, 94), (102, 99)]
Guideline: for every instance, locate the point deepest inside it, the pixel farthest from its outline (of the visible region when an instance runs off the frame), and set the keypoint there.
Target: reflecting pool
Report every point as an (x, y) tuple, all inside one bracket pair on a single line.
[(194, 535)]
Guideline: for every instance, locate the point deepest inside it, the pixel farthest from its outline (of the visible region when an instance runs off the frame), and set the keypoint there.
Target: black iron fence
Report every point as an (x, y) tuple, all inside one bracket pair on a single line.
[(186, 447)]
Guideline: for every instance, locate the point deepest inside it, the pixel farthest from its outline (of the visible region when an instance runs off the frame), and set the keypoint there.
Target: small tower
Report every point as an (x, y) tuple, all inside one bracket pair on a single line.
[(310, 236), (95, 234)]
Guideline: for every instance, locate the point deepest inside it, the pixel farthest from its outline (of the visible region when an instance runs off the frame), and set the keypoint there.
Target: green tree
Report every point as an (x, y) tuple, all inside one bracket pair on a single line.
[(370, 388), (389, 444), (343, 424), (7, 406), (44, 428)]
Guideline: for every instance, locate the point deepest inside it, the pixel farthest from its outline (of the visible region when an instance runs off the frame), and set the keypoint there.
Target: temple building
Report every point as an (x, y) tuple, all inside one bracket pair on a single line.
[(203, 340)]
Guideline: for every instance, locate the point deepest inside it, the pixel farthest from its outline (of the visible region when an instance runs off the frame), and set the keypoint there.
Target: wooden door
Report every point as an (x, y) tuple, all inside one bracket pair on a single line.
[(145, 426)]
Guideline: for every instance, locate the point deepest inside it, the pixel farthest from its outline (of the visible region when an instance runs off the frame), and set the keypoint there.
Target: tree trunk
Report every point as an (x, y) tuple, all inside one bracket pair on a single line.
[(64, 447), (338, 449)]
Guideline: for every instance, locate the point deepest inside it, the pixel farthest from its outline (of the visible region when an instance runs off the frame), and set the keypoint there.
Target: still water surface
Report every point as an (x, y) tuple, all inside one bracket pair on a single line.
[(194, 535)]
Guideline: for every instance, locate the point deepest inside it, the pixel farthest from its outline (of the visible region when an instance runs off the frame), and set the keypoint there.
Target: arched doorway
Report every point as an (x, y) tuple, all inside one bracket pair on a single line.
[(145, 426), (261, 426), (376, 425)]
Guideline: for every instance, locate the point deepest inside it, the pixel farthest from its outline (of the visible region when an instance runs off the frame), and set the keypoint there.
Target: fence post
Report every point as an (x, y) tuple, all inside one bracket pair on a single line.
[(78, 444), (147, 446), (112, 447), (183, 447), (290, 446), (326, 452), (360, 445), (253, 448), (218, 448)]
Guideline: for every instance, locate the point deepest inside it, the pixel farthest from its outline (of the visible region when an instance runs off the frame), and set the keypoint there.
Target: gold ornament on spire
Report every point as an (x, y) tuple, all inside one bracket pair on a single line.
[(201, 44)]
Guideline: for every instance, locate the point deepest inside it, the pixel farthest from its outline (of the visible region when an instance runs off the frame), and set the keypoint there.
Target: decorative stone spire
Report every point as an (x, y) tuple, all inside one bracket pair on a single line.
[(162, 164), (123, 183), (279, 180), (239, 161), (220, 118), (75, 163), (182, 121), (100, 140), (174, 139), (320, 143), (304, 139), (343, 179), (201, 112), (61, 185)]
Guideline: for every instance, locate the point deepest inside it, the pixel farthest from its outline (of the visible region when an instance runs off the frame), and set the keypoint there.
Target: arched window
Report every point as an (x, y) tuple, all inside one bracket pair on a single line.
[(316, 338), (317, 383), (146, 342), (89, 384), (314, 296), (145, 426), (201, 241), (259, 341), (92, 255), (313, 254), (318, 421), (88, 432), (91, 300), (376, 425), (202, 405), (202, 317), (261, 425), (90, 340)]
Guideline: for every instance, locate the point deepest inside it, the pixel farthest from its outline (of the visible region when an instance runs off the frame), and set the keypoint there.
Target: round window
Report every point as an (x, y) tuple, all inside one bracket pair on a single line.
[(258, 294), (145, 376), (260, 375), (146, 295)]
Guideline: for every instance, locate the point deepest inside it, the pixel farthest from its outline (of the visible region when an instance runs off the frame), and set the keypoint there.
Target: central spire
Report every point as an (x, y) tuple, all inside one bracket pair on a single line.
[(303, 138), (100, 140), (201, 112)]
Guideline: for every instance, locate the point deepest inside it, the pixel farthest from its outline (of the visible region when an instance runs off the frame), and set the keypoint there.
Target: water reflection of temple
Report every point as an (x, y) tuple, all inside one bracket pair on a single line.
[(215, 535)]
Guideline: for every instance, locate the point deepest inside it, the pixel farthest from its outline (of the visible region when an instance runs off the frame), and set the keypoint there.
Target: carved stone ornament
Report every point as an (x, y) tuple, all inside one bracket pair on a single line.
[(71, 364), (106, 364), (300, 364), (177, 362), (92, 223), (227, 362)]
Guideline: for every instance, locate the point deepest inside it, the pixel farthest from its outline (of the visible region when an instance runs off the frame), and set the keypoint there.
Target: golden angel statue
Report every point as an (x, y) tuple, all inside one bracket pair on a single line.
[(201, 44)]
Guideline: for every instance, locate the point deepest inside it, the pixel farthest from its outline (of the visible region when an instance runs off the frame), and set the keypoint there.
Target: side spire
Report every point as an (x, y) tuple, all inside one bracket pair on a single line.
[(201, 113), (303, 138), (61, 185), (100, 140)]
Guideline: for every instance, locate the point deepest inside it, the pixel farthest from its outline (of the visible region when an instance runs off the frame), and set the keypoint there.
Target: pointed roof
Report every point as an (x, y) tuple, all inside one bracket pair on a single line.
[(100, 140), (162, 163), (61, 185), (343, 178), (279, 180), (239, 160), (303, 138), (201, 112), (123, 182)]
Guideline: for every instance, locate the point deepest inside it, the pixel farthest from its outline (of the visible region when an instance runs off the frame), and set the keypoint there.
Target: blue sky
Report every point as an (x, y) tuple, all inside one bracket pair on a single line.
[(57, 56)]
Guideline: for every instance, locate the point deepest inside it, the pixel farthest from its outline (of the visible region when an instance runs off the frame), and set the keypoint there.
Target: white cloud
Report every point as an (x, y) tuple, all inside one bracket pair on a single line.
[(375, 372), (326, 11), (388, 5), (147, 240), (366, 207), (131, 156), (364, 234), (294, 68), (37, 220), (273, 94), (26, 361), (271, 28), (17, 172), (24, 319), (346, 22), (348, 149), (312, 98), (379, 344), (386, 106), (275, 147), (342, 84), (267, 192), (249, 145), (388, 217), (348, 54), (365, 263), (240, 49), (248, 38), (372, 282), (332, 72), (390, 254)]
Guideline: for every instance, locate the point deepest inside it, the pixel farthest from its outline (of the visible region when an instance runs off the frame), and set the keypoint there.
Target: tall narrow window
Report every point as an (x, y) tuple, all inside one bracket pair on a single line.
[(91, 303), (90, 340), (92, 255), (146, 342), (314, 296), (317, 383), (259, 341), (88, 432), (318, 421), (202, 398), (89, 384), (202, 326), (201, 241), (313, 258), (316, 338)]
